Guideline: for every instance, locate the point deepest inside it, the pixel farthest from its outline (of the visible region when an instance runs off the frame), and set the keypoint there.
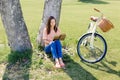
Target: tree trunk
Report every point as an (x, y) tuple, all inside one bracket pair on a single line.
[(51, 8), (15, 26), (0, 6)]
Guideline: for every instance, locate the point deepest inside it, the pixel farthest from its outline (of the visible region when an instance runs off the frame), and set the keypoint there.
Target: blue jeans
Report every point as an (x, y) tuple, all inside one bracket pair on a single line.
[(55, 48)]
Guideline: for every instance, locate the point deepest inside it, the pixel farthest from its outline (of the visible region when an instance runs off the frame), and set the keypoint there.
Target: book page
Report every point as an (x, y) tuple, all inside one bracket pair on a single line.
[(61, 36)]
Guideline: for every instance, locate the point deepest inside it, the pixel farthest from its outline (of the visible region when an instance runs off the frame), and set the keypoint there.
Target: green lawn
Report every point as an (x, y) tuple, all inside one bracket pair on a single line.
[(74, 21)]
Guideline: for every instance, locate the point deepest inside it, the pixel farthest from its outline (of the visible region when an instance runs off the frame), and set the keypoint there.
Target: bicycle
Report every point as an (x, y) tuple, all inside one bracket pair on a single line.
[(92, 47)]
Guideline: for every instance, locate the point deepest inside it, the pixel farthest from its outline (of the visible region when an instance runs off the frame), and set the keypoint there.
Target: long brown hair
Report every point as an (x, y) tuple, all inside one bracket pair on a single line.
[(48, 24)]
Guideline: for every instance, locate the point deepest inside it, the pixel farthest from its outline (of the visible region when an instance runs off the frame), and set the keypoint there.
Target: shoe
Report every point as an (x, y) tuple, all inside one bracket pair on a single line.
[(57, 65)]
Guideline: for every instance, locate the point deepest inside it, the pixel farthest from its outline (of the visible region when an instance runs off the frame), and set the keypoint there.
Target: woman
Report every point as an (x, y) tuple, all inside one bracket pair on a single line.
[(53, 46)]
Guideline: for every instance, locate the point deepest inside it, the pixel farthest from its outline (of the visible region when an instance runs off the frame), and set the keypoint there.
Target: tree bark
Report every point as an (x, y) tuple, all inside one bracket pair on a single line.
[(15, 26), (0, 7), (51, 8)]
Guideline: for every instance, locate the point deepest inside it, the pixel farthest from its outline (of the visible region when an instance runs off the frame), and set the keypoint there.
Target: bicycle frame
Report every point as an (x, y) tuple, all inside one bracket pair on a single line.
[(92, 28)]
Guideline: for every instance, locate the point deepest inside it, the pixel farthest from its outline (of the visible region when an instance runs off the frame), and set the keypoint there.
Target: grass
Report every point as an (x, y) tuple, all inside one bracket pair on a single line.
[(74, 21)]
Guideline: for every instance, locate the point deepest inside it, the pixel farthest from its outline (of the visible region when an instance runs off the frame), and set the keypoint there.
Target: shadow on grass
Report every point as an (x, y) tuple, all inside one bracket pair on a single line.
[(18, 66), (75, 71), (72, 68), (94, 1), (105, 66)]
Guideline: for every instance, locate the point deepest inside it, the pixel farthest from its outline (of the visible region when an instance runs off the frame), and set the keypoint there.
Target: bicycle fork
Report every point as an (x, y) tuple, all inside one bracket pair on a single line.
[(92, 36)]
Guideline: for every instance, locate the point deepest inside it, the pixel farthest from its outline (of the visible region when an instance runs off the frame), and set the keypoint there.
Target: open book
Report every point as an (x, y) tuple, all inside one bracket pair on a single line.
[(61, 36)]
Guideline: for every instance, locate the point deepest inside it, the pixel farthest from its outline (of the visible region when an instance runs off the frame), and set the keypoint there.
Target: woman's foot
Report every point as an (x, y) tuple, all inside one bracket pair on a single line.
[(57, 65), (61, 63)]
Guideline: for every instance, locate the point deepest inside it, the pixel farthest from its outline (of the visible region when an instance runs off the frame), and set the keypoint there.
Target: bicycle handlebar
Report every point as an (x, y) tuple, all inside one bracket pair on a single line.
[(96, 10), (99, 11)]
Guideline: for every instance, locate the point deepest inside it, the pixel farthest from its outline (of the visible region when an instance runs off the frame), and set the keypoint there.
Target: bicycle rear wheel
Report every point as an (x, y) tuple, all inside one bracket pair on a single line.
[(88, 54)]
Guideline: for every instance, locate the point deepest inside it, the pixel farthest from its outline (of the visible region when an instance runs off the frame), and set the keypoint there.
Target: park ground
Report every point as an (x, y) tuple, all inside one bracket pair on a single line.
[(74, 21)]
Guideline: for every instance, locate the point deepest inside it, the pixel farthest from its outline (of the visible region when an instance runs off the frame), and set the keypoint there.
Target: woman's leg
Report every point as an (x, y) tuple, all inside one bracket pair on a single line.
[(51, 48), (58, 48), (59, 52), (55, 55), (47, 49)]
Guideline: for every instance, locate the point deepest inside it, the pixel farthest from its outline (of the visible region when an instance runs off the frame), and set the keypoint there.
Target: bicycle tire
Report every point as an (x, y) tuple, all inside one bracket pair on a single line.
[(98, 54)]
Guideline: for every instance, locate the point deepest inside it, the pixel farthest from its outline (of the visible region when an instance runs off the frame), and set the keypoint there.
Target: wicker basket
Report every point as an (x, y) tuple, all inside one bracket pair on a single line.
[(105, 25)]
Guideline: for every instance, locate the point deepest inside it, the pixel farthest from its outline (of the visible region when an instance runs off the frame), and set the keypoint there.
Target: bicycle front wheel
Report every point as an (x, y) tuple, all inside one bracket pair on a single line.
[(91, 54)]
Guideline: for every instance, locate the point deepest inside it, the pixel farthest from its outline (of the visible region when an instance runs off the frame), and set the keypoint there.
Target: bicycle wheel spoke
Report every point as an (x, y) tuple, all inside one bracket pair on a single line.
[(88, 53)]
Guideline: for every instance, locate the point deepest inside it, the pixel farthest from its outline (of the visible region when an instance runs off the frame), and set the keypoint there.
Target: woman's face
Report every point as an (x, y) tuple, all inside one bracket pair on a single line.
[(52, 23)]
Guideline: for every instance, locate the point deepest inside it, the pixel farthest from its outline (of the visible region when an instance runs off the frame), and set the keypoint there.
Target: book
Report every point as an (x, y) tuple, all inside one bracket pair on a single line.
[(60, 37)]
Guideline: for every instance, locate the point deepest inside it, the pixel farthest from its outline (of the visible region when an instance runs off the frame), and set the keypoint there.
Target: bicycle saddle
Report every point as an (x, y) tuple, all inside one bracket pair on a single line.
[(93, 18)]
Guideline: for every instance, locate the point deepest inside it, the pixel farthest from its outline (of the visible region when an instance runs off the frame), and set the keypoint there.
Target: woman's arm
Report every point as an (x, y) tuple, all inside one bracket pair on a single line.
[(45, 38), (58, 31), (46, 41)]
